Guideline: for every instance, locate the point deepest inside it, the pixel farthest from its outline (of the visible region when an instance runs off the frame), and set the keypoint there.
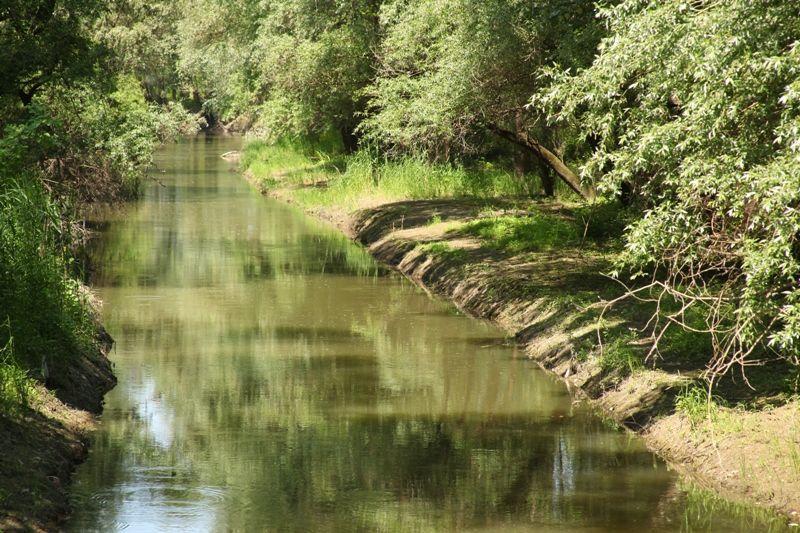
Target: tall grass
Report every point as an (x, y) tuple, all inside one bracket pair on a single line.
[(45, 316), (16, 387), (328, 177)]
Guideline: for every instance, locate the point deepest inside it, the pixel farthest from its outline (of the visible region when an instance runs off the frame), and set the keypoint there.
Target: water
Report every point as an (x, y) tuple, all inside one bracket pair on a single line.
[(272, 377)]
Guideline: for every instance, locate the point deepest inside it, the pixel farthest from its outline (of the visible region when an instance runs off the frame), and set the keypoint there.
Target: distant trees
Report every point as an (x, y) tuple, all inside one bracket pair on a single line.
[(451, 71)]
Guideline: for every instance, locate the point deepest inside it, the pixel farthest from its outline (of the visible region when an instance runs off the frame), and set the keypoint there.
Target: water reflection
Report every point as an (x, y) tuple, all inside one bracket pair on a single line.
[(273, 377)]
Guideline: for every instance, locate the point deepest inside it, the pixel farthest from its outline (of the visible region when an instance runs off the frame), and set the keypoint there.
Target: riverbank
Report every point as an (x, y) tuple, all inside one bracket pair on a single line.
[(518, 264), (43, 442)]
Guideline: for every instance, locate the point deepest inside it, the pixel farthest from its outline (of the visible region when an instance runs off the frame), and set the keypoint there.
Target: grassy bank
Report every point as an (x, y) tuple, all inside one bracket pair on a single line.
[(53, 369), (322, 175), (536, 267)]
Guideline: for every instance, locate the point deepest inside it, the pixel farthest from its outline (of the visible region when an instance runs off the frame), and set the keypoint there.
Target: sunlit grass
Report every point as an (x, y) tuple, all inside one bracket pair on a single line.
[(351, 180), (533, 232)]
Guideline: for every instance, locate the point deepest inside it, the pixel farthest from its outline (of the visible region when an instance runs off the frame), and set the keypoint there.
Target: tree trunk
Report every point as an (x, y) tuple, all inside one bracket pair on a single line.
[(521, 159), (547, 157), (349, 139), (548, 182)]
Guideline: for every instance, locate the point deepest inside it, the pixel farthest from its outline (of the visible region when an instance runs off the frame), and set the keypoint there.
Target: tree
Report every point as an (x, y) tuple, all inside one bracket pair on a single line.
[(143, 40), (45, 40), (451, 70), (695, 106), (314, 62)]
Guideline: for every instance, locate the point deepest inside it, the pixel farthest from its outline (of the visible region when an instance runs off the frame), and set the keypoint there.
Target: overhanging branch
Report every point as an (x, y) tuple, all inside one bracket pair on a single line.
[(566, 174)]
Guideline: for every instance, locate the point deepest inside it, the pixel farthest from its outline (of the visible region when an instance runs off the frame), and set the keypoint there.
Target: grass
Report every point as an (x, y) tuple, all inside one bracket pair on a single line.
[(349, 180), (531, 233), (695, 402), (621, 355), (442, 249), (45, 317), (16, 387)]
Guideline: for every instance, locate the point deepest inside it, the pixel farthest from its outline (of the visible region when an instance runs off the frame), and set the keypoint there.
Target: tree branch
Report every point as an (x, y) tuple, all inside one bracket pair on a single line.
[(549, 158)]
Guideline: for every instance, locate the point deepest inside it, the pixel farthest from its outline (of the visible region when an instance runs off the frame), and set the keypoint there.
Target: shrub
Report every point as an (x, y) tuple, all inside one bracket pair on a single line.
[(694, 109)]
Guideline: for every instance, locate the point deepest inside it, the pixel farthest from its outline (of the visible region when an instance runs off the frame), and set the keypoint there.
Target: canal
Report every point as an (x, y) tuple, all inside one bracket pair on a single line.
[(273, 377)]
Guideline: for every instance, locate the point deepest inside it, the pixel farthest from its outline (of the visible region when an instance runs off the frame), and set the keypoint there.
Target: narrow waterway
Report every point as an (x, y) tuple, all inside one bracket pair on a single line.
[(272, 377)]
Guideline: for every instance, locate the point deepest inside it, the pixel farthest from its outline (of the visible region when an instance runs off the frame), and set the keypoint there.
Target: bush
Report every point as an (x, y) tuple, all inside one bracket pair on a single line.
[(694, 109)]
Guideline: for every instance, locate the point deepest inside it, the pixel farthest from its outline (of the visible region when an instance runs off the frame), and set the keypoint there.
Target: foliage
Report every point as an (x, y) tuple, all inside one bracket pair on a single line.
[(74, 128), (314, 59), (142, 38), (448, 67), (44, 311), (43, 42), (695, 107), (215, 56), (89, 146)]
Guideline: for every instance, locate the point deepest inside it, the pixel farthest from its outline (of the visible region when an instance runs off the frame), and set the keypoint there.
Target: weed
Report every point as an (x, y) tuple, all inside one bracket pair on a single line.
[(620, 355), (697, 404), (442, 249)]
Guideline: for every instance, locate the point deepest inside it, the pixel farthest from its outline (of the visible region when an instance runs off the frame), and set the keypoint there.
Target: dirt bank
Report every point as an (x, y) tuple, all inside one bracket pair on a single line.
[(550, 303), (43, 443)]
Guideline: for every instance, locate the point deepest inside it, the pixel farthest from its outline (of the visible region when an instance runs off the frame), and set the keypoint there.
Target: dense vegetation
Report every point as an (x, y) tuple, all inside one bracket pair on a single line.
[(685, 112), (74, 128)]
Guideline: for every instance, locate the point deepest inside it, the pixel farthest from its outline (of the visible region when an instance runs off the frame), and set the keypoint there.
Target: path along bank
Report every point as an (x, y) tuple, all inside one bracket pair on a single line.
[(518, 264)]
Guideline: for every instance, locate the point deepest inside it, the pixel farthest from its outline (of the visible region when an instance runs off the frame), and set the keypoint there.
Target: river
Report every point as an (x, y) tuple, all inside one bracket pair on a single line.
[(273, 377)]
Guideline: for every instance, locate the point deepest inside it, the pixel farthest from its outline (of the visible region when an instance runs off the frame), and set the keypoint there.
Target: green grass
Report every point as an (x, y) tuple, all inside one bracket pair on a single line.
[(694, 402), (442, 249), (290, 161), (44, 317), (620, 355), (16, 387), (352, 179), (531, 233)]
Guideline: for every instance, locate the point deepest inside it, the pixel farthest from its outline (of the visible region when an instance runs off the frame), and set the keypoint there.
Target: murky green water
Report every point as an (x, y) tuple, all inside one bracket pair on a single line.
[(273, 377)]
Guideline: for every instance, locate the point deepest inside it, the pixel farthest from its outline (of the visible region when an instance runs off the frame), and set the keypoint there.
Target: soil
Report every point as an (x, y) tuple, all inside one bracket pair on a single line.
[(751, 456), (43, 443)]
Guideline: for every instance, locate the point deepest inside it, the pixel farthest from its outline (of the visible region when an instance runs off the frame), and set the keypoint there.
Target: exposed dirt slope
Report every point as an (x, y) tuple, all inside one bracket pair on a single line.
[(42, 444)]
